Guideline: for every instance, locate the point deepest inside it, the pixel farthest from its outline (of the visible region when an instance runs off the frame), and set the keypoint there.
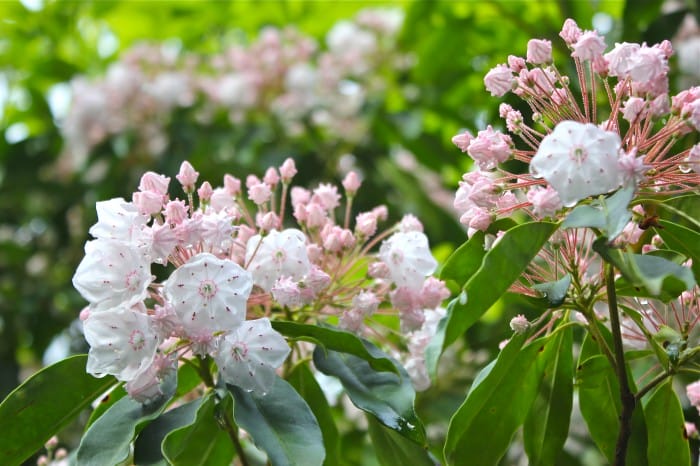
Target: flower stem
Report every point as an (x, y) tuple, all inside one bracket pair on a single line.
[(626, 396)]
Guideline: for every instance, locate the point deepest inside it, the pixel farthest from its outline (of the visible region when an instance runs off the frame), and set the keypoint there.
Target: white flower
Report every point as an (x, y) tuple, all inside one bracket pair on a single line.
[(118, 219), (276, 255), (122, 342), (578, 160), (209, 295), (248, 356), (112, 273), (408, 258)]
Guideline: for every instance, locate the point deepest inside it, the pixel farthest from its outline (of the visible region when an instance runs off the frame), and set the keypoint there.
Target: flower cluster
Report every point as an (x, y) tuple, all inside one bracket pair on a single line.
[(282, 73), (575, 148), (232, 267)]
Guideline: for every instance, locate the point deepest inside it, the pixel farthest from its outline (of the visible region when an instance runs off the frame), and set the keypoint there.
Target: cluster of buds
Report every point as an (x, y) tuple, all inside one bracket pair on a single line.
[(232, 267), (576, 149), (282, 73)]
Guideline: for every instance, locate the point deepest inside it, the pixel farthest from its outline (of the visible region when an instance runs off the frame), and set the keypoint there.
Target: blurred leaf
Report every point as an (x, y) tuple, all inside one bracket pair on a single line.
[(554, 292), (393, 449), (668, 443), (303, 380), (637, 16), (683, 240), (386, 395), (147, 448), (497, 404), (281, 424), (546, 426), (610, 215), (44, 404), (334, 339), (202, 442)]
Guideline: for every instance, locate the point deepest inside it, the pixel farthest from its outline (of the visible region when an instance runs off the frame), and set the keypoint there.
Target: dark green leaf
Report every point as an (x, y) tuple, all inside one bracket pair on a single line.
[(333, 339), (555, 292), (609, 215), (44, 404), (393, 449), (202, 442), (303, 380), (651, 272), (465, 261), (281, 424), (147, 448), (108, 439), (386, 395), (668, 443), (106, 402), (547, 424), (481, 430), (683, 240)]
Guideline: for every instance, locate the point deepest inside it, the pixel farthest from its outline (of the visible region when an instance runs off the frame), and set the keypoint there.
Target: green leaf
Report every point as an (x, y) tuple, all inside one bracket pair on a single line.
[(547, 424), (501, 266), (481, 430), (555, 292), (465, 261), (334, 339), (202, 442), (281, 424), (106, 402), (386, 395), (303, 380), (108, 439), (147, 448), (668, 444), (393, 449), (44, 404), (609, 215), (683, 240), (656, 274)]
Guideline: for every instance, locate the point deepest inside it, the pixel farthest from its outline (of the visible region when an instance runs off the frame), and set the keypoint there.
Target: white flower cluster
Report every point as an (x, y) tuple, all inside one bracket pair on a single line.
[(230, 271)]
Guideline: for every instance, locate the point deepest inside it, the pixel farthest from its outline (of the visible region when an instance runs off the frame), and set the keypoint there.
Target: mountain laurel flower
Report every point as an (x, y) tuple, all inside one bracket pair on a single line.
[(351, 183), (539, 51), (578, 160), (154, 182), (122, 342), (287, 170), (499, 80), (119, 219), (209, 294), (187, 176), (275, 255), (408, 257), (147, 385), (489, 148), (589, 46), (462, 140), (692, 161), (259, 193), (545, 201), (249, 355), (519, 324)]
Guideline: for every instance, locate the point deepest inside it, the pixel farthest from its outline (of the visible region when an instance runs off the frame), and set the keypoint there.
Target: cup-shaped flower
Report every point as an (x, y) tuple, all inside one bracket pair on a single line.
[(208, 295), (112, 273), (118, 219), (278, 254), (248, 356), (578, 160), (408, 257), (122, 342)]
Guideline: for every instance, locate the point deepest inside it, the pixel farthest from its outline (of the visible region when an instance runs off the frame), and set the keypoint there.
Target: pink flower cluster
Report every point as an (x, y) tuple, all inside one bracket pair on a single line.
[(575, 148), (282, 73), (232, 267)]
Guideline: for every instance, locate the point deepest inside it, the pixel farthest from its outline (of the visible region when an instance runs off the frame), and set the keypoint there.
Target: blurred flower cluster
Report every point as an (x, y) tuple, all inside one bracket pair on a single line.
[(232, 267), (282, 73)]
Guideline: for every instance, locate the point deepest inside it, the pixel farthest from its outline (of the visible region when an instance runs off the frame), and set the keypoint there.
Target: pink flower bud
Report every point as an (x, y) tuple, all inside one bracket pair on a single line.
[(259, 193), (539, 51), (271, 177), (351, 183), (151, 181), (462, 140), (570, 32), (519, 324), (589, 46), (205, 191), (516, 63), (268, 221), (378, 269), (175, 212), (433, 293), (232, 185), (251, 180), (84, 314), (148, 202), (499, 80), (288, 170), (366, 224), (381, 212), (187, 176)]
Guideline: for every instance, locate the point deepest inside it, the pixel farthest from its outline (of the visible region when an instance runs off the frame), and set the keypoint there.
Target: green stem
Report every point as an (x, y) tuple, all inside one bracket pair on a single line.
[(653, 383), (626, 396), (232, 432)]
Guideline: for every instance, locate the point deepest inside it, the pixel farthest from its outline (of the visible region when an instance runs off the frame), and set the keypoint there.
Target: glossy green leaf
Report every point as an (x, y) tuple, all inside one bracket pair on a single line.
[(651, 272), (108, 439), (669, 444), (303, 380), (44, 404), (202, 442), (147, 448), (554, 292), (683, 240), (106, 402), (333, 339), (386, 395), (610, 215), (482, 428), (547, 424), (393, 449), (501, 266), (465, 260), (281, 424)]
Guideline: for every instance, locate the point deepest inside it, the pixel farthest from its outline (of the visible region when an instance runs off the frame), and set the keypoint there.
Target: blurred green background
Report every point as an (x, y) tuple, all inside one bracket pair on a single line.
[(389, 112)]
